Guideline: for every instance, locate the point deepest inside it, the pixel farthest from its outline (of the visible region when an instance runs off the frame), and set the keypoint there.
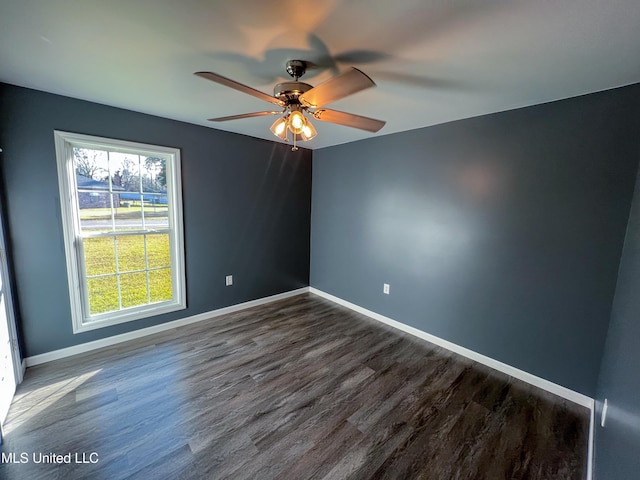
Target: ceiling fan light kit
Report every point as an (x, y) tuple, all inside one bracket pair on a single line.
[(299, 99), (279, 128)]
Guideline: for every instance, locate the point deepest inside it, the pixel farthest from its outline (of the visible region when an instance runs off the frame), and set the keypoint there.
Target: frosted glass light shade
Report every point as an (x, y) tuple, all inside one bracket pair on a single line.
[(308, 131), (279, 128), (296, 122)]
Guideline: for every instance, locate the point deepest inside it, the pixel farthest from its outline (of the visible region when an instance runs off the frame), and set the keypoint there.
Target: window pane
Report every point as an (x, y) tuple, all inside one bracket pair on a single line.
[(95, 211), (160, 287), (127, 213), (125, 171), (156, 213), (103, 294), (131, 253), (91, 166), (154, 174), (158, 252), (133, 288), (99, 256)]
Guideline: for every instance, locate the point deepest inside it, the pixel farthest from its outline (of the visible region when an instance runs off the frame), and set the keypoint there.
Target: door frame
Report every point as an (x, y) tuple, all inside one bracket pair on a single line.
[(9, 307)]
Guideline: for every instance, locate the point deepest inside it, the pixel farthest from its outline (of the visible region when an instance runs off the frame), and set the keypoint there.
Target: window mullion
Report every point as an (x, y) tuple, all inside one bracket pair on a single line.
[(115, 246), (125, 233), (142, 270), (113, 217), (142, 212), (146, 269)]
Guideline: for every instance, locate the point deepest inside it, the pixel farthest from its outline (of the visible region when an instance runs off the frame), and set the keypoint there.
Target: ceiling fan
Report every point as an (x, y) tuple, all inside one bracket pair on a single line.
[(298, 98)]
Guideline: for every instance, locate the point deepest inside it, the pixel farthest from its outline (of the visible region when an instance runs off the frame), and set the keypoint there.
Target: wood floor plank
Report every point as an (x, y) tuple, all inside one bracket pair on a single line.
[(296, 389)]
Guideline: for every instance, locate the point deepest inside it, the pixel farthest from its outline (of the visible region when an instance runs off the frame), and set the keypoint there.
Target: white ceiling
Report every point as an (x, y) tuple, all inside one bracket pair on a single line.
[(433, 60)]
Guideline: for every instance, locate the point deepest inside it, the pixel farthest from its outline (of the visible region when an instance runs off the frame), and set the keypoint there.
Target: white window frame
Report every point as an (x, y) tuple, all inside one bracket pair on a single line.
[(81, 319)]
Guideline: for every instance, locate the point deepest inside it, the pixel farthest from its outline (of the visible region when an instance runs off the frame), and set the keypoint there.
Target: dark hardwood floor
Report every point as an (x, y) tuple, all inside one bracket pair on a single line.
[(296, 389)]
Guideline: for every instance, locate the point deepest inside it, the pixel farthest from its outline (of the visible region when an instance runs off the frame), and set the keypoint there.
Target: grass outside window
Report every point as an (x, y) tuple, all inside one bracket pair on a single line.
[(107, 279)]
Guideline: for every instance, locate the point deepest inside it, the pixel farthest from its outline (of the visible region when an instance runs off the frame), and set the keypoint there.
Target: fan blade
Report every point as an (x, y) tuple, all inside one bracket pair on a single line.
[(243, 115), (227, 82), (349, 120), (336, 88)]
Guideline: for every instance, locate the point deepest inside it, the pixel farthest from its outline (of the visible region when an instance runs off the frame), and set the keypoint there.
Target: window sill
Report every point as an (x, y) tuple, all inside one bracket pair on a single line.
[(124, 316)]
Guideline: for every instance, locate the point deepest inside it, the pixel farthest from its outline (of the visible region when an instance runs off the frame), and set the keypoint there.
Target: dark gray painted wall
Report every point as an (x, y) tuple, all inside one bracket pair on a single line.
[(501, 233), (618, 444), (246, 211), (9, 259)]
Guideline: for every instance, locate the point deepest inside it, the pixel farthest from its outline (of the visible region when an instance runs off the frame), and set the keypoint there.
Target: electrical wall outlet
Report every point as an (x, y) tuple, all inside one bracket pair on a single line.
[(386, 288), (605, 407), (228, 280)]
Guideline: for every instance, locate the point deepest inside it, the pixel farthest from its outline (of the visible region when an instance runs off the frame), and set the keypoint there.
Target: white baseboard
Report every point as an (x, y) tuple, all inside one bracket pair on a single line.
[(559, 390), (143, 332)]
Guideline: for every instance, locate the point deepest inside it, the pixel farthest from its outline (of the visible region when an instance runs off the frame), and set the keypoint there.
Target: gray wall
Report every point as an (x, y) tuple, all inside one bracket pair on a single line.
[(618, 444), (246, 211), (501, 233)]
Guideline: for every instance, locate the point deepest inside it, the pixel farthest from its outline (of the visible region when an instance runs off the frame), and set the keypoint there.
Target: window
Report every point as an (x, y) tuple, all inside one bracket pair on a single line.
[(122, 219)]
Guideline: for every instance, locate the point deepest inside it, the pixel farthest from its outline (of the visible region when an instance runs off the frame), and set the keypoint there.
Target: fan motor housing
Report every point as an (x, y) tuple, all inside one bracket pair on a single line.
[(290, 90)]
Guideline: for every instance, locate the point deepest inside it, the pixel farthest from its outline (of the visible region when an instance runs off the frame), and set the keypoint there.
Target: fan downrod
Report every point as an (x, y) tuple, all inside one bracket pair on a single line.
[(290, 91), (296, 68)]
